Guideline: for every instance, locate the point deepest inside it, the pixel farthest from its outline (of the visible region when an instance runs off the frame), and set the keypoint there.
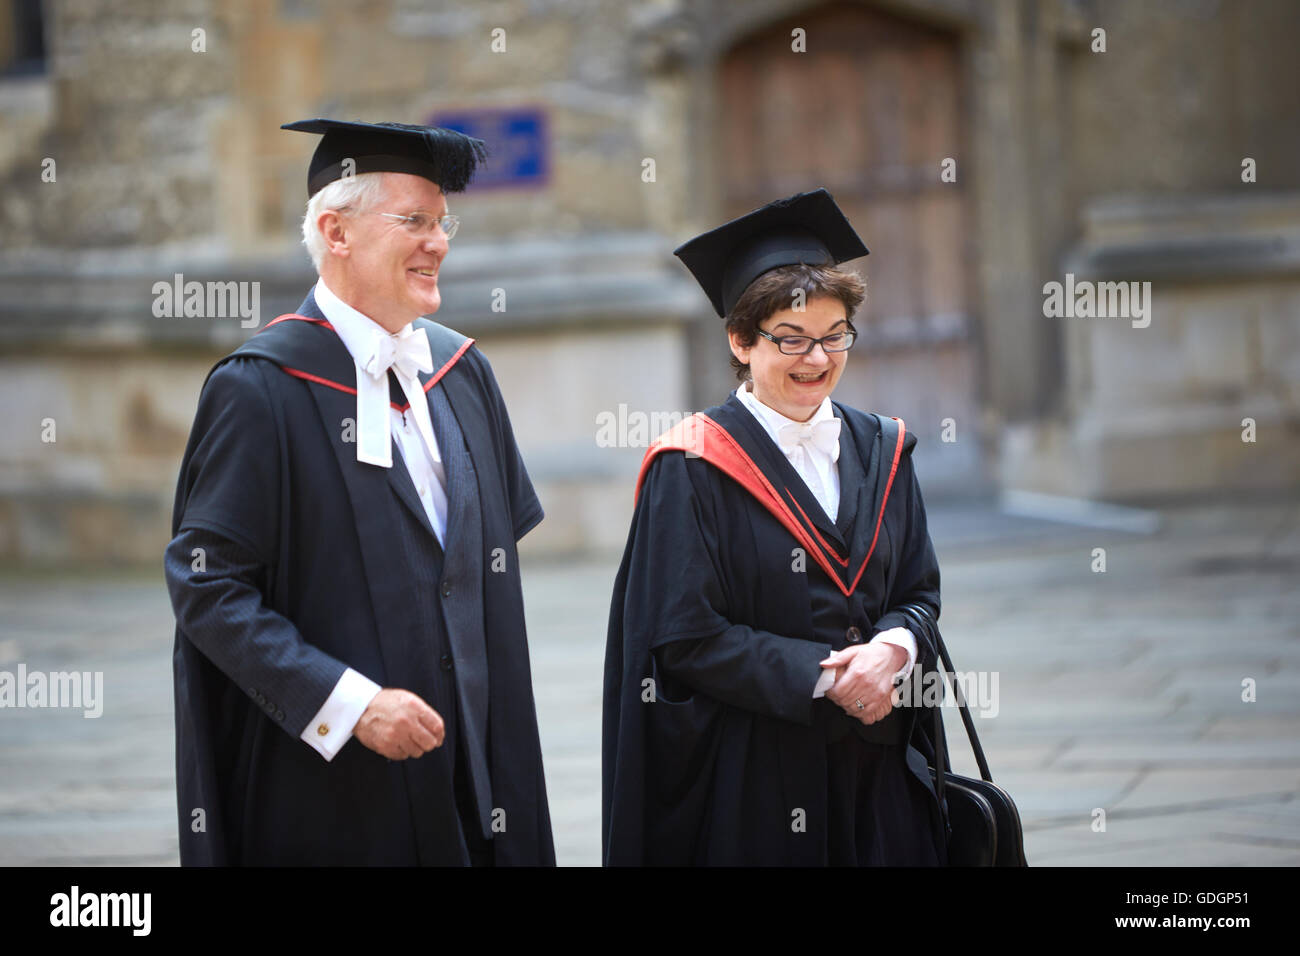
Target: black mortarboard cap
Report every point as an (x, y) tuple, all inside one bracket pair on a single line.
[(440, 155), (805, 228)]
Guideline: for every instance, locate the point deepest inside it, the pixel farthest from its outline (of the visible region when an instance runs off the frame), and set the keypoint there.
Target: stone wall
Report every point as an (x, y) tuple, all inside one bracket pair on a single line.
[(168, 160), (1202, 394)]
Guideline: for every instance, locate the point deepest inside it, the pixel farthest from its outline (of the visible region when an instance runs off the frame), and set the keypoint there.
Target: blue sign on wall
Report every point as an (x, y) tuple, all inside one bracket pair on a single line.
[(518, 147)]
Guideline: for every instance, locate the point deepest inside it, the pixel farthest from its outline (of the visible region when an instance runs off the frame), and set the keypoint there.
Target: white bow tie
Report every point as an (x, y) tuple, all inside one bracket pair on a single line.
[(408, 351), (823, 435), (408, 354)]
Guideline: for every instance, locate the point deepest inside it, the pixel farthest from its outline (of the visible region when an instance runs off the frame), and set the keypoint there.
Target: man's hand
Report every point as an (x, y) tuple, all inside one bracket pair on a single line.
[(867, 675), (398, 724)]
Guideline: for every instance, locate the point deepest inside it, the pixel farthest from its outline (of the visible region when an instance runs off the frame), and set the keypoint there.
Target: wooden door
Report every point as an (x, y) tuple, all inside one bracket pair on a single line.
[(870, 111)]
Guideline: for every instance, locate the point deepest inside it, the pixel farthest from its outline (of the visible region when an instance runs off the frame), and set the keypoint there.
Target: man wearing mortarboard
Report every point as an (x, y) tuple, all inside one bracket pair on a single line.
[(344, 555), (778, 580)]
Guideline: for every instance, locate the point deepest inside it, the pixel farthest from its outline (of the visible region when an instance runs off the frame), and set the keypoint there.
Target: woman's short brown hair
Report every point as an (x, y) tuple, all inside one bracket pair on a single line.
[(775, 290)]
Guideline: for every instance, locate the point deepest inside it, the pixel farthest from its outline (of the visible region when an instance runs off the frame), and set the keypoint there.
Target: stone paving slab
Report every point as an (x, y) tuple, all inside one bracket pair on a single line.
[(1067, 712), (1205, 838), (1240, 725), (1187, 787), (80, 840), (1222, 754)]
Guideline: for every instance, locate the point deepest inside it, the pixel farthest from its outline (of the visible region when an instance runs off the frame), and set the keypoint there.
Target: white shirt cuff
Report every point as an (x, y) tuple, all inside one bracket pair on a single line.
[(902, 637), (825, 682), (331, 728)]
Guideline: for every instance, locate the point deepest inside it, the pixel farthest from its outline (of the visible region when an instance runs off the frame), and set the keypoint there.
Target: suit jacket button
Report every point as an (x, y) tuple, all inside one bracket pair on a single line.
[(279, 715), (446, 662), (446, 589), (853, 635), (322, 730)]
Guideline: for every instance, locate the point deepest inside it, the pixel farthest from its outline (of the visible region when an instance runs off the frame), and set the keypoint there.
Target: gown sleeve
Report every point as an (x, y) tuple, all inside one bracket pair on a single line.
[(218, 565), (676, 599), (231, 473)]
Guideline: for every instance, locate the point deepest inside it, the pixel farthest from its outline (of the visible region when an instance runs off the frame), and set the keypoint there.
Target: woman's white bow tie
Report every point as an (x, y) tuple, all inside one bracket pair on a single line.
[(408, 354), (823, 435)]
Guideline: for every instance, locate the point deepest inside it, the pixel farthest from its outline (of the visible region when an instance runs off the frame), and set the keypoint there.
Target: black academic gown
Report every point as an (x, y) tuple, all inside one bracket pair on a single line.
[(715, 751), (334, 566)]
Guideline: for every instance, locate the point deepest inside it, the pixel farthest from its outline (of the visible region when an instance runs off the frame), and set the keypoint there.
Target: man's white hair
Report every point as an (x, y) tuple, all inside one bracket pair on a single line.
[(352, 193)]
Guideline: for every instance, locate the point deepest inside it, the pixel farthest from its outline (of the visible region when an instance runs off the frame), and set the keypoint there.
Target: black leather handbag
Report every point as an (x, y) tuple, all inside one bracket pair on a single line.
[(981, 819)]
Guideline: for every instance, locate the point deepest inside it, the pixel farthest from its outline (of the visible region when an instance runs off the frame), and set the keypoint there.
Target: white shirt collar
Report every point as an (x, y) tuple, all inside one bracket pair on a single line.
[(354, 328), (813, 463), (365, 340), (771, 419)]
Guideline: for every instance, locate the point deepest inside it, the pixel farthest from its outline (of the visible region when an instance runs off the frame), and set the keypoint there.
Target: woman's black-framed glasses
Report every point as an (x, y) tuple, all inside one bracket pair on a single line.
[(803, 344)]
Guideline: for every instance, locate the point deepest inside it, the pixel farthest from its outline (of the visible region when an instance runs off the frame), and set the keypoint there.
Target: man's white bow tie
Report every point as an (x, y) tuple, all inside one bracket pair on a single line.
[(408, 354), (823, 435), (408, 351)]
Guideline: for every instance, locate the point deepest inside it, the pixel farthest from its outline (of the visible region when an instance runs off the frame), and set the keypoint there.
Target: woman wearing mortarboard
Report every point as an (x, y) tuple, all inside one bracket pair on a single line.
[(778, 586)]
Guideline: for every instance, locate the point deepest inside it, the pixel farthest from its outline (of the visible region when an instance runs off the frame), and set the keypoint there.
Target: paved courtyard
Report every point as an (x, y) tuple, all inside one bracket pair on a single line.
[(1119, 692)]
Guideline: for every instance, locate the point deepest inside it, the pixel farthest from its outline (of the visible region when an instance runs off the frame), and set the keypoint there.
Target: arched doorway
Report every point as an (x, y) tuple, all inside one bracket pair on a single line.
[(870, 111)]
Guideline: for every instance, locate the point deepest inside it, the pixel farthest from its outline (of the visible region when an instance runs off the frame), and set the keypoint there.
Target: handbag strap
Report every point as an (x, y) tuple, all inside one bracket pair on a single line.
[(966, 717), (928, 628)]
